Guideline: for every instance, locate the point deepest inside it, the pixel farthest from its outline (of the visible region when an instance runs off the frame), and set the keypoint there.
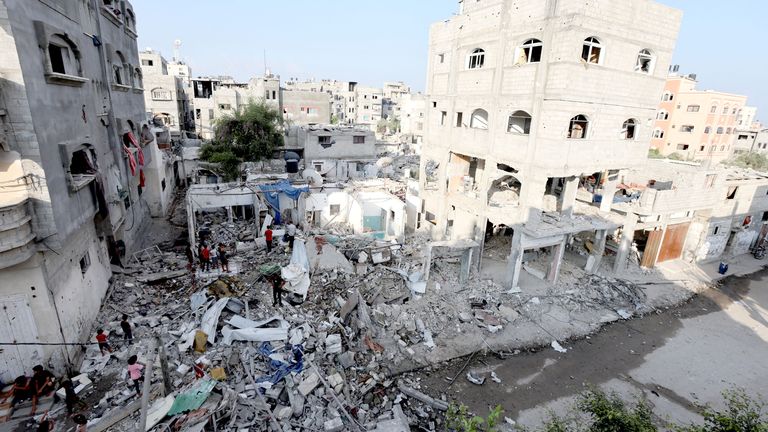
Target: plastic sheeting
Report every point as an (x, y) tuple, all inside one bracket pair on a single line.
[(296, 278), (273, 191), (255, 331), (279, 369), (211, 319), (192, 399)]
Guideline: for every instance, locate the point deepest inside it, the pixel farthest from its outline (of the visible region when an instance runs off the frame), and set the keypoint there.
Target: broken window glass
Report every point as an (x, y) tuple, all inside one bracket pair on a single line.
[(644, 61), (577, 128)]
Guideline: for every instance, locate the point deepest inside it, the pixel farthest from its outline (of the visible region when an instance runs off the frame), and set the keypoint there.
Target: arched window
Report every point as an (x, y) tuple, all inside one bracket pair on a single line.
[(117, 68), (591, 51), (662, 115), (713, 110), (476, 59), (708, 130), (139, 78), (479, 119), (519, 123), (628, 129), (719, 131), (645, 61), (658, 133), (578, 127), (130, 19), (531, 51), (667, 96), (725, 109), (63, 55)]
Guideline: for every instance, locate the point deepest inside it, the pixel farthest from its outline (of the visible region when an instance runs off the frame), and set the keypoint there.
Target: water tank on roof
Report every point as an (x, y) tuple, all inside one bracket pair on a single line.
[(291, 162)]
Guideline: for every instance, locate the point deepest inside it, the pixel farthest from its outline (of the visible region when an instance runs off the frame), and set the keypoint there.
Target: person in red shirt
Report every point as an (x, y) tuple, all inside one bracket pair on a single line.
[(205, 258), (268, 238), (101, 338)]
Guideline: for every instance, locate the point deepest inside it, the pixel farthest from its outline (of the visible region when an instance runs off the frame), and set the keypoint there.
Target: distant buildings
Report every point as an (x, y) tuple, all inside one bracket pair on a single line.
[(695, 124), (166, 91)]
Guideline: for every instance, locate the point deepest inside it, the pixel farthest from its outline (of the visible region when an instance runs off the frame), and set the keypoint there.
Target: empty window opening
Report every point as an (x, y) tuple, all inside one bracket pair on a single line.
[(719, 131), (225, 107), (476, 59), (713, 110), (693, 108), (658, 133), (682, 146), (83, 162), (441, 58), (628, 129), (146, 62), (203, 89), (707, 129), (728, 131), (479, 119), (732, 192), (577, 128), (459, 119), (686, 128), (644, 62), (504, 192), (592, 50), (335, 209), (57, 55), (519, 123), (725, 110), (662, 115), (531, 51), (85, 262), (464, 172), (667, 96), (358, 139), (443, 117), (211, 114)]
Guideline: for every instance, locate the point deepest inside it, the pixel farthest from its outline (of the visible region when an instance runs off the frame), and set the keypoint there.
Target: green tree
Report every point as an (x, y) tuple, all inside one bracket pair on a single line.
[(394, 124), (610, 414), (655, 154), (381, 126), (755, 161), (334, 119), (676, 156), (249, 135), (459, 419), (742, 414)]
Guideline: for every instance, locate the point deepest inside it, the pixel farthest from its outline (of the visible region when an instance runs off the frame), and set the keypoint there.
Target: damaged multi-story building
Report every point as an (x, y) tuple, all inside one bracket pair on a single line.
[(76, 169), (528, 100), (166, 94)]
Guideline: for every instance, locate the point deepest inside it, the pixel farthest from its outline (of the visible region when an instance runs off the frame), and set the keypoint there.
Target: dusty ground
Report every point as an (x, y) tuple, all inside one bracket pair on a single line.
[(677, 359)]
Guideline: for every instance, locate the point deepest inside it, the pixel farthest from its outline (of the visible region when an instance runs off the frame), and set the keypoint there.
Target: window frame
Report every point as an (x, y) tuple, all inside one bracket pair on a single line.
[(645, 54), (579, 119), (476, 59), (588, 47), (527, 120), (529, 49)]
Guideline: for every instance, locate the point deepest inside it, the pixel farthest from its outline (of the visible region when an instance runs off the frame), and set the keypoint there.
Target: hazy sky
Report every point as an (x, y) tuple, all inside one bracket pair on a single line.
[(372, 41)]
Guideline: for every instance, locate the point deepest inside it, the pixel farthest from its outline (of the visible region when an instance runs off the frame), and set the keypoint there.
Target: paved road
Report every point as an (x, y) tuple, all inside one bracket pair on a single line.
[(678, 358)]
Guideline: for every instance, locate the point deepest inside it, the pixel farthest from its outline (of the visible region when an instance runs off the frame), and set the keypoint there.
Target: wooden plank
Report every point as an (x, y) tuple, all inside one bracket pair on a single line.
[(651, 249), (674, 240)]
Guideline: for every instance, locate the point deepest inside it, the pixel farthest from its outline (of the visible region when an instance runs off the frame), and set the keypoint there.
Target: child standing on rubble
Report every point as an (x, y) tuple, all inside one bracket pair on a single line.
[(205, 256), (127, 332), (223, 258), (101, 338), (268, 238), (214, 254), (277, 289), (135, 371)]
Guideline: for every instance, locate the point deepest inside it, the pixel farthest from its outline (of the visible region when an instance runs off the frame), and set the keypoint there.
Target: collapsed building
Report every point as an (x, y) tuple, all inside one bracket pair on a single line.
[(523, 105)]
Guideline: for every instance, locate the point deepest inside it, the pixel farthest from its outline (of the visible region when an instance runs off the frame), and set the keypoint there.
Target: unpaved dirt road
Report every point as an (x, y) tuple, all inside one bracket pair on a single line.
[(677, 359)]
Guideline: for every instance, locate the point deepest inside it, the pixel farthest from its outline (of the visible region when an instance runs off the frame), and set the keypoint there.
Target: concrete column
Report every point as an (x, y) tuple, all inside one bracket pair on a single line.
[(568, 199), (609, 191), (625, 246), (466, 265), (553, 270), (598, 249), (427, 262), (515, 262), (229, 214)]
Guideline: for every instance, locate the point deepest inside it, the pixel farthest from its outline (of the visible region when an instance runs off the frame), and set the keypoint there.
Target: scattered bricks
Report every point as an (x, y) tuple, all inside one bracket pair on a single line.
[(347, 359), (333, 344), (334, 425), (282, 412), (309, 384)]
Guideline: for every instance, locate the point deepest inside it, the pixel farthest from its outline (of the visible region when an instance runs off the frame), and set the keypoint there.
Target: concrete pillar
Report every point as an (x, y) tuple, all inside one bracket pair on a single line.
[(229, 214), (625, 246), (515, 262), (553, 270), (427, 262), (568, 198), (609, 191), (466, 265), (598, 249)]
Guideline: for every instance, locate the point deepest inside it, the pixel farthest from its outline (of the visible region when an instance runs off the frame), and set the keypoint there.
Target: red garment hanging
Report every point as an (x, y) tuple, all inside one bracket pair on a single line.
[(136, 144), (141, 178), (131, 160)]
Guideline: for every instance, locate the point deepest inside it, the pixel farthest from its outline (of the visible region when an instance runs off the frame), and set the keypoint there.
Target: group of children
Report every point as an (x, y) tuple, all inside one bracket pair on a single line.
[(211, 258)]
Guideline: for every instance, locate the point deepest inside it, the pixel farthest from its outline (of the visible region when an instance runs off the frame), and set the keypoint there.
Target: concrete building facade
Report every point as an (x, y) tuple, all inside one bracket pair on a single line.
[(525, 99), (165, 93), (71, 188), (697, 125)]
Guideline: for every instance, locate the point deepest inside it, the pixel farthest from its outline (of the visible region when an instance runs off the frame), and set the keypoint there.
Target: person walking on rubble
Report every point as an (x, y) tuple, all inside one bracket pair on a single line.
[(135, 371), (205, 258), (101, 338), (277, 289), (223, 258), (127, 331), (290, 232), (268, 238), (214, 254)]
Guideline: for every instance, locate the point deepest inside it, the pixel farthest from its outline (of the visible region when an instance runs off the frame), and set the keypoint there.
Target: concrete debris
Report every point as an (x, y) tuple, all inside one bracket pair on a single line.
[(475, 379), (557, 347), (495, 378)]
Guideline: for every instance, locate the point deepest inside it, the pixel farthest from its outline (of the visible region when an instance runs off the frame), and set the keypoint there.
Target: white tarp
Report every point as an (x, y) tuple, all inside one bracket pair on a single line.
[(211, 319), (296, 279), (299, 254), (254, 334), (239, 322)]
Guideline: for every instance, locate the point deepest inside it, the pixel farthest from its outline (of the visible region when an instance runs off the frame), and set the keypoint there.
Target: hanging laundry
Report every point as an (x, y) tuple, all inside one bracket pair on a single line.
[(131, 160), (135, 143), (141, 178)]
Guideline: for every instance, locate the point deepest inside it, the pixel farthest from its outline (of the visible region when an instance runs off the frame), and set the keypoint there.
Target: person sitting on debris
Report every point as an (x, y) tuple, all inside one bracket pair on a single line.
[(277, 289), (214, 254), (101, 338), (268, 238), (134, 370), (22, 390), (205, 255), (71, 399), (223, 258), (127, 332), (43, 380)]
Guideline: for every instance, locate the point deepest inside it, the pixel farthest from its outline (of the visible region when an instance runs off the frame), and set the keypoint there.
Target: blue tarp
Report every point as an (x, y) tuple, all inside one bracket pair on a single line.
[(272, 194), (281, 369)]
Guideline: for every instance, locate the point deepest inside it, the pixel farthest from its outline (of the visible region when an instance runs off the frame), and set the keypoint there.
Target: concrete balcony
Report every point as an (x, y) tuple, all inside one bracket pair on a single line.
[(16, 235)]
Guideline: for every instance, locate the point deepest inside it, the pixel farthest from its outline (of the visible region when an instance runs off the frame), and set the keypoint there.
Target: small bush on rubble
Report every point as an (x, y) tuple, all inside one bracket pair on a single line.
[(458, 419), (742, 414)]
